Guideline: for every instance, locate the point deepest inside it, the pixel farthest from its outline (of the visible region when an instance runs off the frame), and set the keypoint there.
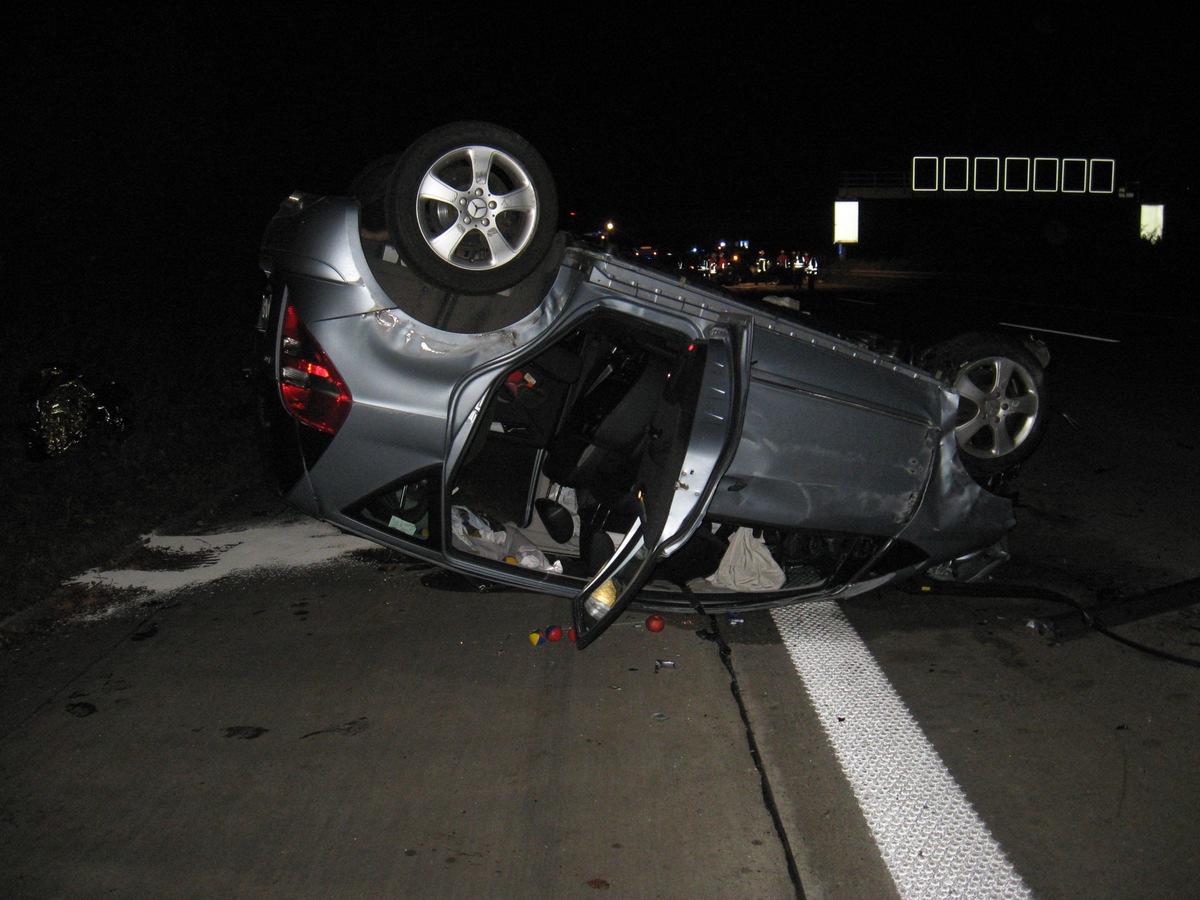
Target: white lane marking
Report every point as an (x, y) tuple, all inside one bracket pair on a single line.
[(199, 559), (932, 841)]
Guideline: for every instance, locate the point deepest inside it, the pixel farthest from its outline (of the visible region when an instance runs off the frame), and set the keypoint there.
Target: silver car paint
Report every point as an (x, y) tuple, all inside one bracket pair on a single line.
[(834, 436)]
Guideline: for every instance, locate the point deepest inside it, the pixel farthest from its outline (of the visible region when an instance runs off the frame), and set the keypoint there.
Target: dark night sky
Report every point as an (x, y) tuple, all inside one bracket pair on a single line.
[(674, 124)]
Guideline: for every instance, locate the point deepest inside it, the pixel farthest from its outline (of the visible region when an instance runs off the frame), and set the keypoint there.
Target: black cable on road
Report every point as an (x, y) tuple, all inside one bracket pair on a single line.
[(1100, 617)]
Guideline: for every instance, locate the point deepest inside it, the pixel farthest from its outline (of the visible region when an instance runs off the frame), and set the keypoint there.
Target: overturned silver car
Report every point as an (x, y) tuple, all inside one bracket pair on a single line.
[(449, 375)]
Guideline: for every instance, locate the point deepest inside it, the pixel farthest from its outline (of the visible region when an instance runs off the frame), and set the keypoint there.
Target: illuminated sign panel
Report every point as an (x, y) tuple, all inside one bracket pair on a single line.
[(925, 173), (956, 173), (1045, 175), (1016, 173), (845, 222), (1041, 174), (987, 173), (1074, 176), (1103, 176), (1152, 224)]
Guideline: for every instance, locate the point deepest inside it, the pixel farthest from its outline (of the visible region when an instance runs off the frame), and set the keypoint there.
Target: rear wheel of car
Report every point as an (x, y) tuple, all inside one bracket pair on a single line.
[(472, 208), (1002, 406)]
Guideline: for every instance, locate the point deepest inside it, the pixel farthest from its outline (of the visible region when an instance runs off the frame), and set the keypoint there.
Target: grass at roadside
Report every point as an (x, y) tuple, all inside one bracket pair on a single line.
[(192, 436)]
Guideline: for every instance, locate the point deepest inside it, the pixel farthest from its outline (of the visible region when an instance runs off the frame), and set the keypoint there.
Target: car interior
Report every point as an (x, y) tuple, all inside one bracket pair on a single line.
[(559, 446)]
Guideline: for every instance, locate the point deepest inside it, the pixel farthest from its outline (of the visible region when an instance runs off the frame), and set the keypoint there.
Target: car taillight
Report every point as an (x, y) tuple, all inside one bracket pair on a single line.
[(313, 389)]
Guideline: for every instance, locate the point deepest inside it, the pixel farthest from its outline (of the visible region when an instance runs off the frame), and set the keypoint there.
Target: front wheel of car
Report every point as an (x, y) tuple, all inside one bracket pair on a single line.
[(1002, 400), (472, 208)]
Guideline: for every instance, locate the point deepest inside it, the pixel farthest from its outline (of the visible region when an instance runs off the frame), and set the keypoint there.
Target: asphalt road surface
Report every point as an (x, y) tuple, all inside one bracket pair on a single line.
[(312, 719)]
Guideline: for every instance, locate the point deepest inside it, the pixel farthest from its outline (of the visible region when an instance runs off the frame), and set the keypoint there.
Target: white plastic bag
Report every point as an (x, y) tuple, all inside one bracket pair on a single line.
[(747, 565), (518, 547), (481, 536)]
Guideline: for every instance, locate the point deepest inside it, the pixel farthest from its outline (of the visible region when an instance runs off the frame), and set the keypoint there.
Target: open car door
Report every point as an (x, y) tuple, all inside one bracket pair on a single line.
[(691, 441)]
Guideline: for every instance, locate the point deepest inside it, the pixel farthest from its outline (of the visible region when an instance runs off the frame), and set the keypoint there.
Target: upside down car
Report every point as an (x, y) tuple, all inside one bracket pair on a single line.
[(447, 374)]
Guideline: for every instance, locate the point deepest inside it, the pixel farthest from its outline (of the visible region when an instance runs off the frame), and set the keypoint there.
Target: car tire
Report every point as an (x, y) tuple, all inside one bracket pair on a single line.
[(472, 208), (1002, 409)]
